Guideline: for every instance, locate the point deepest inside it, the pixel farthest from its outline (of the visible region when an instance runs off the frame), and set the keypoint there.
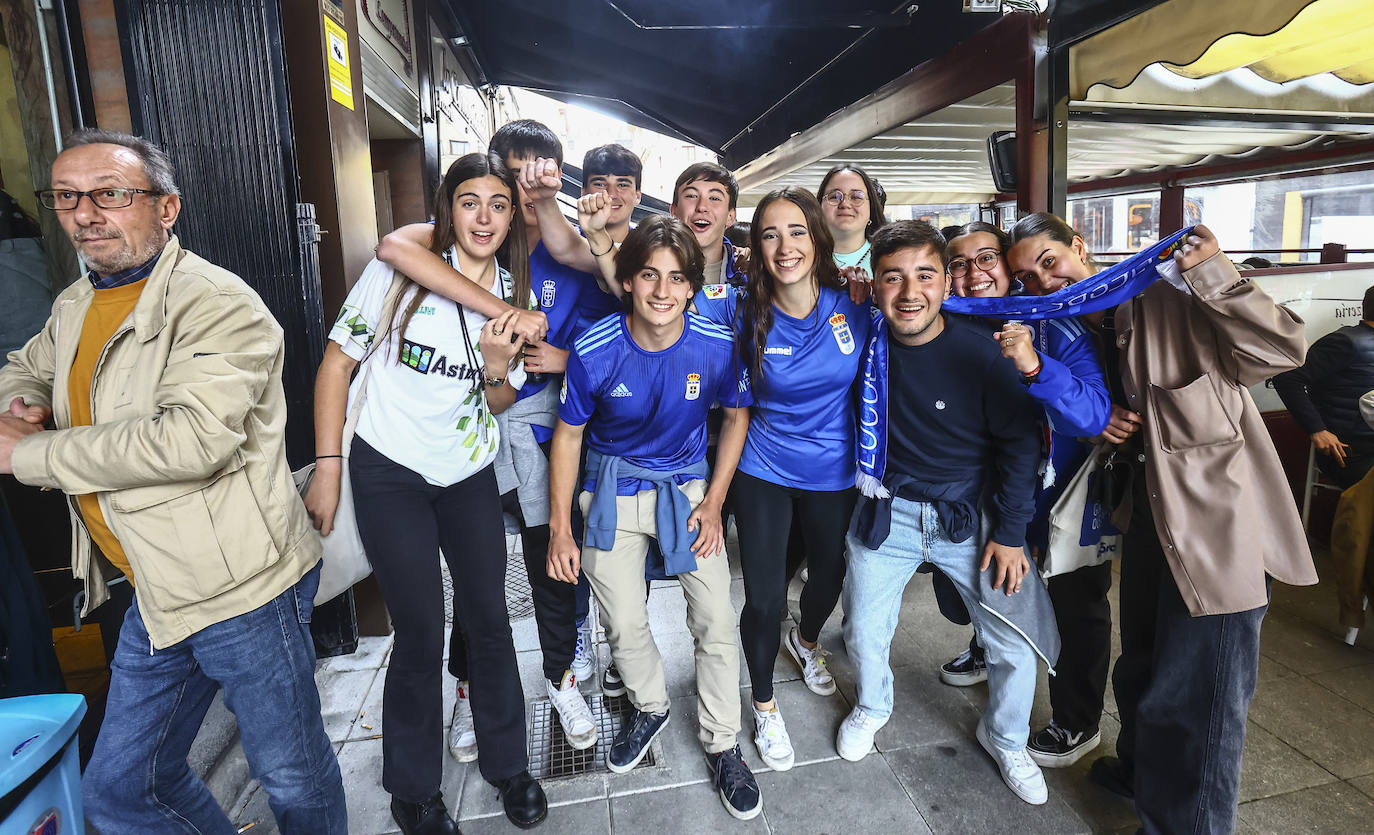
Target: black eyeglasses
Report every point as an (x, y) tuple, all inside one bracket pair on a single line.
[(985, 260), (64, 200), (836, 197)]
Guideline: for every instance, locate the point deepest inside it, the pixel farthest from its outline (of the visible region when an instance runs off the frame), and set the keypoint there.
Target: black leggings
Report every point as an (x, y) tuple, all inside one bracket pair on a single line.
[(763, 516), (404, 521)]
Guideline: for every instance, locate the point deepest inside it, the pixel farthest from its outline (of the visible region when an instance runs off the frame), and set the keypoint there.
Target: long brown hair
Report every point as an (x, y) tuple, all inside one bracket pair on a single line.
[(515, 248), (755, 315)]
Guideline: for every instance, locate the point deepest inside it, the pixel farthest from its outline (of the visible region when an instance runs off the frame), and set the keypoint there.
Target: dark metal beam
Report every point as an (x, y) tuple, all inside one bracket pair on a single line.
[(896, 19), (1056, 130), (994, 55)]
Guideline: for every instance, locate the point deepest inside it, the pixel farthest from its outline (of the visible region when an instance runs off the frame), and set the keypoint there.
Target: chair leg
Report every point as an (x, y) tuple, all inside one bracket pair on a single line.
[(1307, 486), (1354, 632)]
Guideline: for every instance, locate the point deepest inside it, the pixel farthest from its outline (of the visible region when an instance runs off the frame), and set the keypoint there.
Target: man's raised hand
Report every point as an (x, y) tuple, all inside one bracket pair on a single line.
[(541, 179), (593, 212)]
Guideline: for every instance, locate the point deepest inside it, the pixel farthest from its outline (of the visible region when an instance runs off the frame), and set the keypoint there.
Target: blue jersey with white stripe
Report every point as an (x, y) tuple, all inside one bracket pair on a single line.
[(649, 407), (802, 432), (572, 301)]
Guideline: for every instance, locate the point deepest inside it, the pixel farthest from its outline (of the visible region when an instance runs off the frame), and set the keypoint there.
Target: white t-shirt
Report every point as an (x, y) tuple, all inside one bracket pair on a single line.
[(425, 407)]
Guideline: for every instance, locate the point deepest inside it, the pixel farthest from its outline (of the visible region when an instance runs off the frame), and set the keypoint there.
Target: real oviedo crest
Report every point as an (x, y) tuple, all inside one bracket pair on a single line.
[(843, 337), (693, 386), (546, 296)]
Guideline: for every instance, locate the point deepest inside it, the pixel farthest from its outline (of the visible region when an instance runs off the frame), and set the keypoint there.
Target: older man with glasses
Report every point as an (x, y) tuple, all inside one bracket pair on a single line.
[(162, 375)]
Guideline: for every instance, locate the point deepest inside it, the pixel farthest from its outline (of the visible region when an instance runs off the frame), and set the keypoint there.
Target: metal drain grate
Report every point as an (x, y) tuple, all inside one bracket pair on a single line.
[(550, 754), (519, 598)]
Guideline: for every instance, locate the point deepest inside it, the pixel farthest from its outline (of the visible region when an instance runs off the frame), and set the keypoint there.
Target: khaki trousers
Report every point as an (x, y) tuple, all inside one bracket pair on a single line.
[(617, 579)]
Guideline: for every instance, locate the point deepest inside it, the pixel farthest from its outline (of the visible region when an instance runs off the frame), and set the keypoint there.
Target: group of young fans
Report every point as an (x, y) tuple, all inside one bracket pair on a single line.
[(507, 360)]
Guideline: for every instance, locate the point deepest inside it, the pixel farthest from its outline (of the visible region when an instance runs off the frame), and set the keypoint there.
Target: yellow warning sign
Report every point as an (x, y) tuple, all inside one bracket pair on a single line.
[(340, 81)]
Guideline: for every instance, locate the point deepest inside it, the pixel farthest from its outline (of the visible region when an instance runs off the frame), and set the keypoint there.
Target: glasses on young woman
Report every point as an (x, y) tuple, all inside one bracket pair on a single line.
[(855, 197), (64, 200), (985, 260)]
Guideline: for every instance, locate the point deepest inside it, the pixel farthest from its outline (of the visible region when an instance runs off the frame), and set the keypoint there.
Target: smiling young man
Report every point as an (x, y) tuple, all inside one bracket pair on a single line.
[(612, 171), (704, 198), (940, 405), (638, 387)]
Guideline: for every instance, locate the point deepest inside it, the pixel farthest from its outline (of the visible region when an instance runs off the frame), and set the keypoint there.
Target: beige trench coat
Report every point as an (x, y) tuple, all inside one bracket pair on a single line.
[(1222, 505)]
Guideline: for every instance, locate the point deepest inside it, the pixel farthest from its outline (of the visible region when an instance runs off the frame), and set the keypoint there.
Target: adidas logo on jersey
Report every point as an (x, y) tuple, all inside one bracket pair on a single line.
[(621, 390)]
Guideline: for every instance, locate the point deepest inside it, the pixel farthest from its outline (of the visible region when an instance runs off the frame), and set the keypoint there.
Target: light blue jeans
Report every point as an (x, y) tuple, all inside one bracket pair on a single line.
[(873, 600)]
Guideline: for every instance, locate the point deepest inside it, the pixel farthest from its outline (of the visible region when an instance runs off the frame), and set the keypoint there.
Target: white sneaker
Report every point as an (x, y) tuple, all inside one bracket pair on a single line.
[(812, 663), (584, 664), (770, 735), (462, 739), (1019, 771), (857, 730), (573, 714)]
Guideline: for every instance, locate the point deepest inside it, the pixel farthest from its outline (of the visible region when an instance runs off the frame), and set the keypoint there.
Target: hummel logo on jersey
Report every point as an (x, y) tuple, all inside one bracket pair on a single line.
[(621, 390)]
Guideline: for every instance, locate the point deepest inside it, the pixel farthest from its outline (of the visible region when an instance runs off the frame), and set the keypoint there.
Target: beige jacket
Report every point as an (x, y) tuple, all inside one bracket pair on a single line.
[(187, 454), (1222, 505)]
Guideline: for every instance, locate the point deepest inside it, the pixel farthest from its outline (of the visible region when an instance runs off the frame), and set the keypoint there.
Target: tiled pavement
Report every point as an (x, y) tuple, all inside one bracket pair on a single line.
[(1309, 759)]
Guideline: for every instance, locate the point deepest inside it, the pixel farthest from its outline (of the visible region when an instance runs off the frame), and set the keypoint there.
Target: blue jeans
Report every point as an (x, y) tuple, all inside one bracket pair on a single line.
[(873, 600), (138, 779)]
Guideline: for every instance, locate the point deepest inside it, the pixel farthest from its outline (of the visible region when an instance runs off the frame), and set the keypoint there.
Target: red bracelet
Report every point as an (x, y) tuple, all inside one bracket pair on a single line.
[(1030, 378)]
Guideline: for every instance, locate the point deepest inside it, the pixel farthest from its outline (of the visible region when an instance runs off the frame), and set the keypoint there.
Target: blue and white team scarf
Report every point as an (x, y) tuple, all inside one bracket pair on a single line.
[(1106, 289)]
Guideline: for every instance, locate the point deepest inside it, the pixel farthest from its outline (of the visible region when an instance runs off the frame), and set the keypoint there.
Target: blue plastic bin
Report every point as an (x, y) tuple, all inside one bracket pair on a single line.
[(40, 769)]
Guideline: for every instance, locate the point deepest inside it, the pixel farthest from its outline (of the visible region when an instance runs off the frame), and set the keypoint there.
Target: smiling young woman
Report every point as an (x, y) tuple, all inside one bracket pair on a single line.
[(800, 337), (420, 464)]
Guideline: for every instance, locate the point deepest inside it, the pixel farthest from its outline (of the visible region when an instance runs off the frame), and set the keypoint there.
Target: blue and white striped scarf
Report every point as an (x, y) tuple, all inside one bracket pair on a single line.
[(1108, 288)]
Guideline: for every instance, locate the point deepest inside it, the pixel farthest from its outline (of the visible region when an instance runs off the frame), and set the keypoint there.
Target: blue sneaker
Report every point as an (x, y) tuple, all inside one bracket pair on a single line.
[(739, 791), (630, 745)]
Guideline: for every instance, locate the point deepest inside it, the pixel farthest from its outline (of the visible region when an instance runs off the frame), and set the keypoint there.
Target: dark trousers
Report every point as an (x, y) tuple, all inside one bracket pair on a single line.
[(555, 604), (763, 517), (1084, 617), (1183, 686), (558, 606), (404, 521)]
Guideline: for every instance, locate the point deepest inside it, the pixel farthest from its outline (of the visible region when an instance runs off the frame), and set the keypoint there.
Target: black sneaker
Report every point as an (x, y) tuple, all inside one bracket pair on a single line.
[(739, 791), (1055, 747), (965, 669), (1113, 775), (630, 745), (611, 683)]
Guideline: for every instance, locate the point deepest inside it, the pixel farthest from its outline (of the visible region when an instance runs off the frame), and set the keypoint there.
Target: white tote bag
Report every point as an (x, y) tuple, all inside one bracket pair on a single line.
[(1081, 531), (345, 561)]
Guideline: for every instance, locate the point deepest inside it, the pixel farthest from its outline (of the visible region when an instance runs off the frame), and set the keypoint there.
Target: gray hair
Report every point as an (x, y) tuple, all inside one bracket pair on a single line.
[(157, 166)]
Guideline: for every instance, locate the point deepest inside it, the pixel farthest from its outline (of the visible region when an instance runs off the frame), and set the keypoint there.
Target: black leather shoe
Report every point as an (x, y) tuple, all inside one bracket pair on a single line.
[(1113, 775), (524, 800), (428, 817)]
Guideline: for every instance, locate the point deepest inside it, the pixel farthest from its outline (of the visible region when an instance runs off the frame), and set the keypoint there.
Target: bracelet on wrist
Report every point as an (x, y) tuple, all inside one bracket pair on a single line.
[(1027, 379), (492, 381), (319, 457), (596, 254)]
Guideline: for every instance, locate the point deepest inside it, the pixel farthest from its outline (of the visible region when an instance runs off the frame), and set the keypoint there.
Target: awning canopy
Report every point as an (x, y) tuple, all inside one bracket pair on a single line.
[(942, 158), (738, 78), (1278, 40)]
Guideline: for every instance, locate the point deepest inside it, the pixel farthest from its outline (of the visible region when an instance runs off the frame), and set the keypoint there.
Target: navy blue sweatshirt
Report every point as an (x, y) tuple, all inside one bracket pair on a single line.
[(958, 414)]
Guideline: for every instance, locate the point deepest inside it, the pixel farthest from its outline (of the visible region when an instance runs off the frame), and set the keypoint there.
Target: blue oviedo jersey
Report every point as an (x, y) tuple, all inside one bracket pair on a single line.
[(649, 407), (802, 432)]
